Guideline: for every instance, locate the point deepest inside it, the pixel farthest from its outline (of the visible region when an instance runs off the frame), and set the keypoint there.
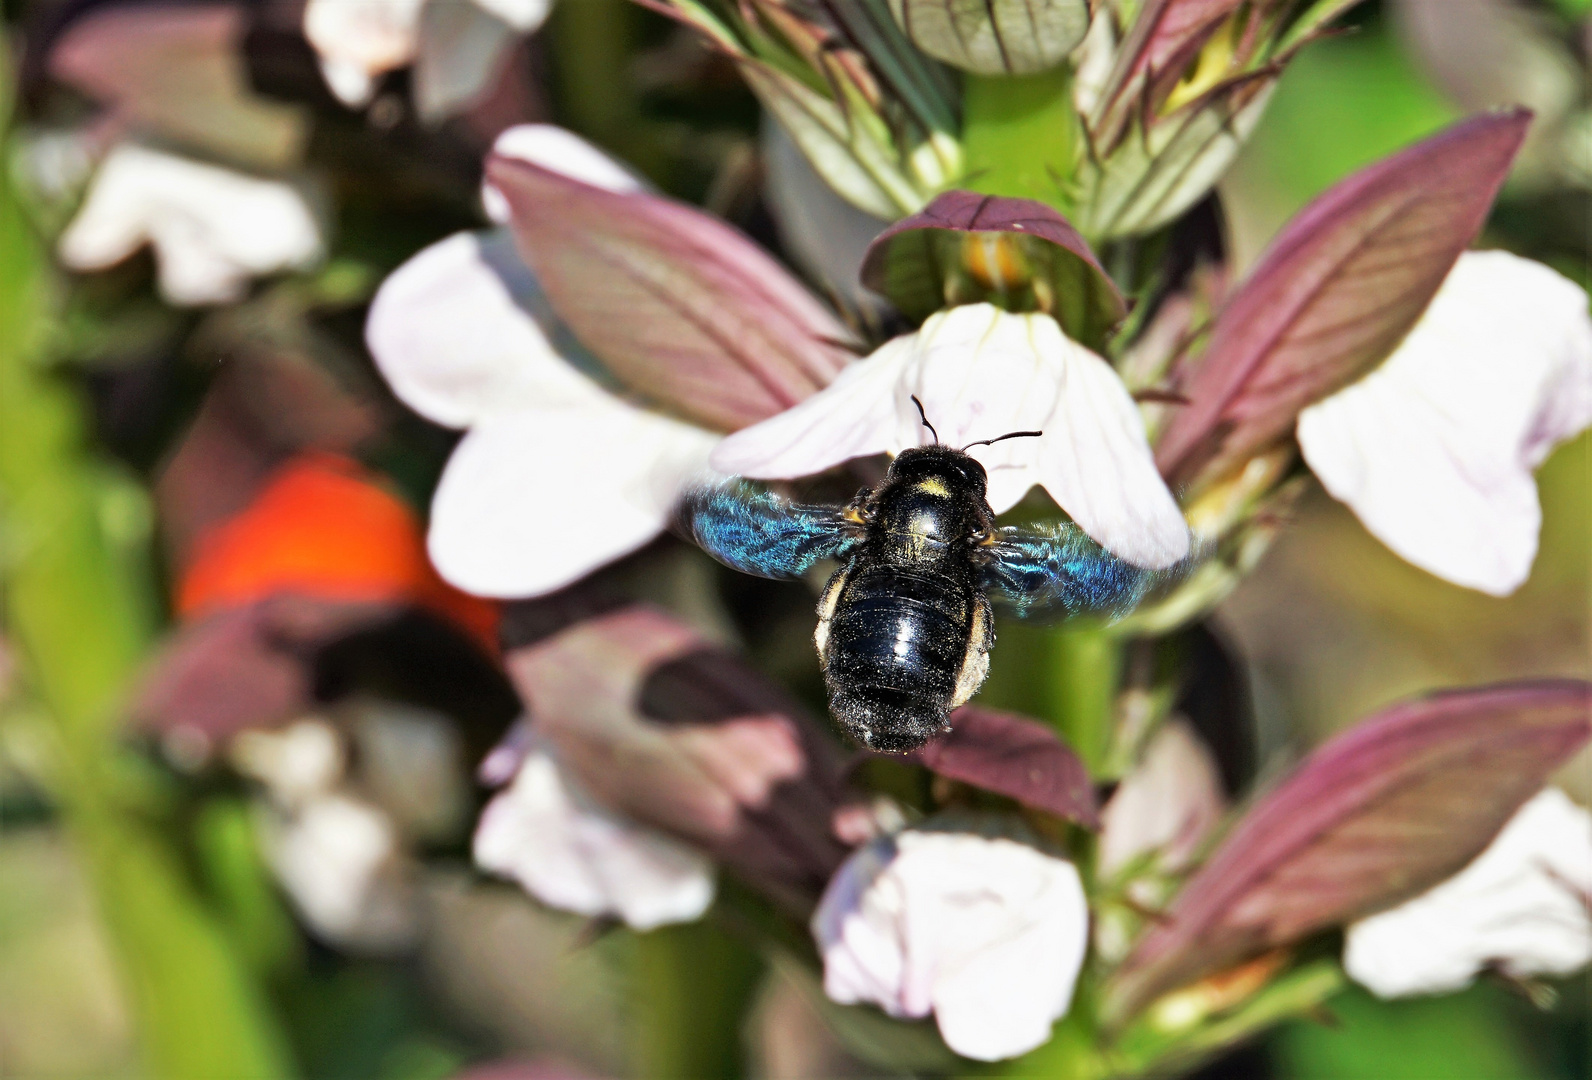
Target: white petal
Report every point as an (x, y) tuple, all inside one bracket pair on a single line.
[(212, 228), (572, 855), (523, 15), (462, 331), (1521, 904), (296, 763), (338, 860), (1168, 804), (1096, 463), (854, 416), (501, 517), (1434, 450), (349, 82), (989, 934), (371, 36), (560, 151), (460, 57), (981, 373)]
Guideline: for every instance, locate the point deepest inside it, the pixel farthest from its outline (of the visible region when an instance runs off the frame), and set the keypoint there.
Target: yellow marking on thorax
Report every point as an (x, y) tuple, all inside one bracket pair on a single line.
[(931, 486)]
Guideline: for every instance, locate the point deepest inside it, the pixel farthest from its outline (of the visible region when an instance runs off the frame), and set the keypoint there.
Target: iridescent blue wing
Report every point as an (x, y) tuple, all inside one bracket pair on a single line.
[(1058, 570), (750, 529)]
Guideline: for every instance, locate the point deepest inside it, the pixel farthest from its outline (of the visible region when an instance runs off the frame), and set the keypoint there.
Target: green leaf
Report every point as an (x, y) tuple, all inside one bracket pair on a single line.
[(1464, 1035)]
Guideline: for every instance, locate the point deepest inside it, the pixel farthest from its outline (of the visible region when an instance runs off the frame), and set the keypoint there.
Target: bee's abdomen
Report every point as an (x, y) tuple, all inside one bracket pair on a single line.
[(894, 649)]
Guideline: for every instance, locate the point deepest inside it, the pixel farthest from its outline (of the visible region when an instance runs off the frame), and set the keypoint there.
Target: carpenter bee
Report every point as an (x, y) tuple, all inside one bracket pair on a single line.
[(904, 626)]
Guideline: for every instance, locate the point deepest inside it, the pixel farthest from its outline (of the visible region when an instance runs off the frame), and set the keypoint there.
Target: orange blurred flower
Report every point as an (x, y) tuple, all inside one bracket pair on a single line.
[(324, 526)]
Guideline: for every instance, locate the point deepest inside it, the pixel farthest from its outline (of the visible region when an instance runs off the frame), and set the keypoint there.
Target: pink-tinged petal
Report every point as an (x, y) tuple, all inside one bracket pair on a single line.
[(1524, 906), (1372, 818), (854, 416), (1434, 450), (1340, 286), (561, 151), (993, 246), (1096, 463), (658, 726), (179, 70), (988, 934), (573, 855), (462, 332), (1016, 757), (1167, 805), (678, 305), (497, 518)]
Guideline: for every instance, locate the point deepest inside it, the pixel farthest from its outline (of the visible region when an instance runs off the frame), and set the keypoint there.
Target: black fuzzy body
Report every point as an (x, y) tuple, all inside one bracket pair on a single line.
[(904, 627)]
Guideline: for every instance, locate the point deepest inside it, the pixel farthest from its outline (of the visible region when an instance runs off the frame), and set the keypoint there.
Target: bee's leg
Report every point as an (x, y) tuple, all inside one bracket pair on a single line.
[(975, 663)]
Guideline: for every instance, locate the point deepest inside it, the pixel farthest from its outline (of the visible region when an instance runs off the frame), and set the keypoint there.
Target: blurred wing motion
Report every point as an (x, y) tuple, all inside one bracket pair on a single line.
[(1058, 570), (757, 532)]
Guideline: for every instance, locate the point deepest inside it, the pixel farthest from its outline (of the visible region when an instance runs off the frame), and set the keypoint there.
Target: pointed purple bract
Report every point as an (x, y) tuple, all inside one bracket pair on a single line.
[(1016, 757), (679, 305), (1377, 815), (1335, 293)]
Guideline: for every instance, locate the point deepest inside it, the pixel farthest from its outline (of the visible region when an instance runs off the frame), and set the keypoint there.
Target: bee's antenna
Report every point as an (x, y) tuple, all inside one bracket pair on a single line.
[(1008, 435), (924, 417)]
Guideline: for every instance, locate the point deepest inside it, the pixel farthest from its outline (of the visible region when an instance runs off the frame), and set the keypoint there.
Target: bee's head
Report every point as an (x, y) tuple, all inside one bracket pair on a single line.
[(951, 467)]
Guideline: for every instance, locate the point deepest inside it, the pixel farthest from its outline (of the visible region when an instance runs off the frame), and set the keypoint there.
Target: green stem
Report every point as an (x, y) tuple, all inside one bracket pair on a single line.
[(1086, 668), (1020, 136), (693, 988)]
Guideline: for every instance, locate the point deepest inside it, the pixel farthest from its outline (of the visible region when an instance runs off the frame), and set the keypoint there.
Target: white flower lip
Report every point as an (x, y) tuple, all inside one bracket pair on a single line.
[(464, 336), (980, 373), (1434, 451), (988, 935), (572, 855), (213, 229), (1522, 904), (1167, 805), (359, 40)]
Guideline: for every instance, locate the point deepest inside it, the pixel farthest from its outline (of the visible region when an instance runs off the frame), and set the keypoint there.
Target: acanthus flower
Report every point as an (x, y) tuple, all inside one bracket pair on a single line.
[(981, 372), (1435, 449), (466, 336), (212, 228), (1524, 905), (987, 934), (358, 41), (545, 832)]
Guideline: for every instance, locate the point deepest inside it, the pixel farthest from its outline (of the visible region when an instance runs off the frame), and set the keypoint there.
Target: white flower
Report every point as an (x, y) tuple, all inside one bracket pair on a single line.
[(989, 935), (573, 855), (339, 860), (360, 40), (981, 373), (465, 337), (1435, 449), (1523, 904), (212, 228), (1167, 805)]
